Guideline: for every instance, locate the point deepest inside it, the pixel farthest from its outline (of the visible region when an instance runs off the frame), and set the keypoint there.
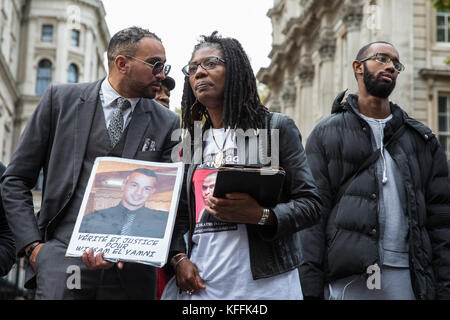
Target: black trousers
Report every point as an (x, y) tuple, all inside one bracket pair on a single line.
[(64, 278)]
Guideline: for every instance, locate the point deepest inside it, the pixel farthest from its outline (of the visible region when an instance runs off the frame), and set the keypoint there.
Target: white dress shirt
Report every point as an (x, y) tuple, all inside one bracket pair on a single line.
[(109, 97)]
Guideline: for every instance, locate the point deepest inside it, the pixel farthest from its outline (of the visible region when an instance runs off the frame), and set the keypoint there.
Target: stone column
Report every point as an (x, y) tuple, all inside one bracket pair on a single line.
[(95, 73), (28, 70), (352, 18), (409, 92), (289, 96), (62, 41), (327, 50), (275, 104), (305, 119), (88, 72)]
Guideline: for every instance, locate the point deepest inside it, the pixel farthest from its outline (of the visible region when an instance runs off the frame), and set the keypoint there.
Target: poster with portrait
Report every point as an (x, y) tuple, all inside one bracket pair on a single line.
[(204, 181), (128, 211)]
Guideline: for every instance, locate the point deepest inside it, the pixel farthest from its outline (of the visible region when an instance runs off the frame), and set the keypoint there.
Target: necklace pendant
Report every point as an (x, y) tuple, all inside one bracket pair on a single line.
[(218, 159)]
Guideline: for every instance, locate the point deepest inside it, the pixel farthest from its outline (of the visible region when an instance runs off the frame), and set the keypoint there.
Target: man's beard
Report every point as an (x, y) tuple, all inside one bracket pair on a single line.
[(141, 90), (377, 87)]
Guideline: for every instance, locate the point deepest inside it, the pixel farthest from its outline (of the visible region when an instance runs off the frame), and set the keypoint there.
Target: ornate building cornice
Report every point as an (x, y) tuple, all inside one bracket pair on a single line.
[(352, 14), (327, 44), (289, 93), (435, 73), (306, 71), (276, 10), (275, 49), (298, 31), (306, 75), (303, 23)]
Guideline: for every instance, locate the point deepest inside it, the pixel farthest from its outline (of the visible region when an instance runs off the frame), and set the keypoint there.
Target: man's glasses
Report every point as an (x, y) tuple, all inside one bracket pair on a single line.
[(208, 63), (157, 66), (384, 59)]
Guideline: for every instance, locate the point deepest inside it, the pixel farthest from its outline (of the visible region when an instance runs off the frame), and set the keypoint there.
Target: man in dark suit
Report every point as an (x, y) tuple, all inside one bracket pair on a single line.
[(130, 217), (7, 250), (72, 125)]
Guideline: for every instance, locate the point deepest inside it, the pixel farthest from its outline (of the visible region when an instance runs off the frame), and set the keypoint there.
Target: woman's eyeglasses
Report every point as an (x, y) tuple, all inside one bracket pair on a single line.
[(208, 63)]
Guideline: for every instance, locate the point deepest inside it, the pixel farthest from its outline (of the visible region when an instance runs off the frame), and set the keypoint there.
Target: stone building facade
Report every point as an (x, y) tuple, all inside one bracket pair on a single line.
[(314, 43), (42, 42)]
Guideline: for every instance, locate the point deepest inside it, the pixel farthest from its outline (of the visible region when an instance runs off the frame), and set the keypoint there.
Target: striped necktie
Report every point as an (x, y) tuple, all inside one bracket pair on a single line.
[(126, 228)]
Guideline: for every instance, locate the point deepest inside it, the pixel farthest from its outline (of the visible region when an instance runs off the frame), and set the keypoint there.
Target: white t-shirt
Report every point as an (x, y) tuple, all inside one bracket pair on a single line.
[(221, 250)]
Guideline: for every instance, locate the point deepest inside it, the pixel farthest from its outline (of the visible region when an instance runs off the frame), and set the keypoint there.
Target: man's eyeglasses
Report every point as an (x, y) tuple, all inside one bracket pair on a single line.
[(384, 59), (208, 63), (157, 66)]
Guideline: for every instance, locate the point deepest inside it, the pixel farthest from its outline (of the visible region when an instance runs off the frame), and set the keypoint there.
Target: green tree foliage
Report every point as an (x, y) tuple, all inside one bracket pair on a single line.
[(441, 5), (263, 91), (179, 112)]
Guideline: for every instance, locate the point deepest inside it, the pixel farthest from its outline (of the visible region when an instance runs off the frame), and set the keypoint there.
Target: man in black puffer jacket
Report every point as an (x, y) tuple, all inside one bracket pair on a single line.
[(385, 231)]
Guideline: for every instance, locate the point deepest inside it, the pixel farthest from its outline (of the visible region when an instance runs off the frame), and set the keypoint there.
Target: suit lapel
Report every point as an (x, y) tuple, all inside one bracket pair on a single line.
[(84, 116), (136, 128)]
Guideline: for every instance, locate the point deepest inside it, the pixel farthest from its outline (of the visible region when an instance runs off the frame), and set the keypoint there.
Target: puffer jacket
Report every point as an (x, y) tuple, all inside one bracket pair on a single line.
[(272, 250), (346, 241)]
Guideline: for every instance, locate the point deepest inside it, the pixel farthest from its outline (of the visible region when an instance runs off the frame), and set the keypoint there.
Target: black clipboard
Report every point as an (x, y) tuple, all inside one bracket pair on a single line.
[(264, 184)]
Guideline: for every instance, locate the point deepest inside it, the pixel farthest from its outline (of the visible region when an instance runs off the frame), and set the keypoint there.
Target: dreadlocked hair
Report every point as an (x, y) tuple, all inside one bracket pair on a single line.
[(242, 108)]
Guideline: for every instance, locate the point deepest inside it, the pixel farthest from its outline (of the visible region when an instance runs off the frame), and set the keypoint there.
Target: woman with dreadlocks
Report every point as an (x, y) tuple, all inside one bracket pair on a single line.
[(238, 249)]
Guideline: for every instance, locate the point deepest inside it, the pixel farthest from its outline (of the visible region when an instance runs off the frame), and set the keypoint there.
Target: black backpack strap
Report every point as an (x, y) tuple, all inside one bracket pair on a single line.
[(269, 135)]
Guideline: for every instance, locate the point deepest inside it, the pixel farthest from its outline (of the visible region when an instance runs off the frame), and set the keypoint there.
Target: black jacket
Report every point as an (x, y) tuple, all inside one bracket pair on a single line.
[(346, 242), (7, 247), (273, 250)]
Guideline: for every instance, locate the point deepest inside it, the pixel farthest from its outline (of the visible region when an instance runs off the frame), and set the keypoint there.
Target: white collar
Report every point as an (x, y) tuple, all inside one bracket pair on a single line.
[(109, 95)]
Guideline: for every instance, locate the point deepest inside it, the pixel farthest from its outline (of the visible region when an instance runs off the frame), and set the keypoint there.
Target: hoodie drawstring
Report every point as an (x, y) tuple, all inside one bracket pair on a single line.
[(385, 179)]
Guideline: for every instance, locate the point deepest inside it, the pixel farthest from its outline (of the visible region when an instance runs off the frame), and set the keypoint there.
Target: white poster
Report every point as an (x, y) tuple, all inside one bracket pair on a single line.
[(128, 211)]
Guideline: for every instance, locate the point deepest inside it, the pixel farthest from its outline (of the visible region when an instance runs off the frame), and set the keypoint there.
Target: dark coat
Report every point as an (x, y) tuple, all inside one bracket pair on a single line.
[(346, 242), (148, 222), (7, 247), (273, 250)]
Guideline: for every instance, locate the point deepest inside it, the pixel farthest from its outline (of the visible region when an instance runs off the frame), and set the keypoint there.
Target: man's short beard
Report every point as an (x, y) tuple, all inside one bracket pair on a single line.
[(377, 87), (139, 89)]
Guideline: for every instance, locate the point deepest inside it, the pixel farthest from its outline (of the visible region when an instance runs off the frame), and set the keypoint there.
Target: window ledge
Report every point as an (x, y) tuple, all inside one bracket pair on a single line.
[(435, 72)]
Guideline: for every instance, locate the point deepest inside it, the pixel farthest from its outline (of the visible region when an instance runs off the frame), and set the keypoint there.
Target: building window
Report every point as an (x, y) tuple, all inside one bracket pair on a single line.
[(72, 74), (47, 33), (44, 76), (443, 26), (444, 123), (75, 38)]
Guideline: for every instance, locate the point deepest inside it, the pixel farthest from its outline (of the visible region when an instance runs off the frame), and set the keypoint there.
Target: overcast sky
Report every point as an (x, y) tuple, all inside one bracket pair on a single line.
[(179, 23)]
